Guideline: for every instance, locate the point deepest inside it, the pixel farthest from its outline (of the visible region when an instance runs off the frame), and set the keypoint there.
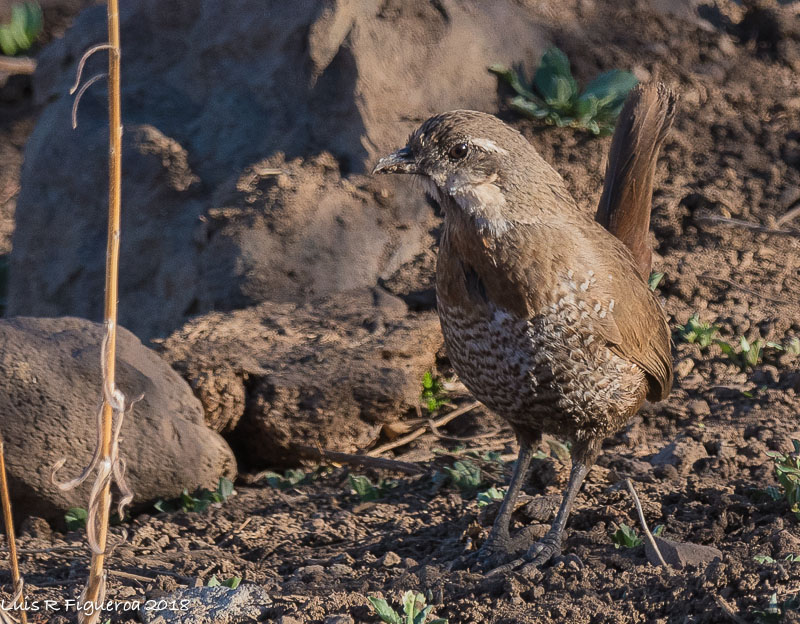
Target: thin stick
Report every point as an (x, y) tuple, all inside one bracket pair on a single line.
[(439, 422), (790, 214), (643, 522), (728, 609), (734, 285), (746, 224), (360, 460), (17, 65), (95, 586), (12, 542)]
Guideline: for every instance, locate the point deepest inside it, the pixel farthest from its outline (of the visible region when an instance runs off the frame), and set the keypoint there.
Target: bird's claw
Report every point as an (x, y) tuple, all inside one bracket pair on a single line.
[(538, 554)]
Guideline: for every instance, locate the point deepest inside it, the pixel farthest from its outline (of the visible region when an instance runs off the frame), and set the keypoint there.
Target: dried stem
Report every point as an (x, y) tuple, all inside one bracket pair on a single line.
[(643, 522), (113, 400), (12, 543), (359, 460), (439, 422), (17, 65)]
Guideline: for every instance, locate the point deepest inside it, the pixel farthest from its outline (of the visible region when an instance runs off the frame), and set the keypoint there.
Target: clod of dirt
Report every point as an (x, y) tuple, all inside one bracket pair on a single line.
[(326, 373), (211, 605), (681, 554), (681, 453), (49, 396)]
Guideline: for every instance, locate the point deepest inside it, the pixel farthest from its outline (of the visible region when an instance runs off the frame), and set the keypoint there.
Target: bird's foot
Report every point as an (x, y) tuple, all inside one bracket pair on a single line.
[(538, 554), (498, 549)]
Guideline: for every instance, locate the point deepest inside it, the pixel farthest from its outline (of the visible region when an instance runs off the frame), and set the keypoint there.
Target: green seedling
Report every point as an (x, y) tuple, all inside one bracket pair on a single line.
[(433, 392), (749, 353), (465, 475), (787, 470), (793, 346), (76, 518), (698, 332), (233, 582), (553, 94), (23, 29), (289, 479), (626, 537), (655, 280), (767, 559), (491, 495), (366, 491), (775, 611), (200, 500), (414, 610)]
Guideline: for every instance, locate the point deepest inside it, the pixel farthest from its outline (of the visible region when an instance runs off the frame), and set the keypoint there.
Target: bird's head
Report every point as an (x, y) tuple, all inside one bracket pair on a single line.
[(470, 161)]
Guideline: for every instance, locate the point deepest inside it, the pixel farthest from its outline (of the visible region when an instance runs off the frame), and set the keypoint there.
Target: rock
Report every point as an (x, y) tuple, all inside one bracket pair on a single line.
[(36, 527), (324, 374), (389, 559), (212, 605), (681, 453), (50, 372), (338, 619), (698, 408), (214, 216), (681, 554)]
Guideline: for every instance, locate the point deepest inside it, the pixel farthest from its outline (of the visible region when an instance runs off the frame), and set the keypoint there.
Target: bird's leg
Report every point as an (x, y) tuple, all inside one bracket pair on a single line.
[(500, 546), (583, 457)]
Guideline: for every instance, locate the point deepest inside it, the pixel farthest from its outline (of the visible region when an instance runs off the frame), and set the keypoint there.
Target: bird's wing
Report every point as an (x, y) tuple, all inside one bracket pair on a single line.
[(625, 313)]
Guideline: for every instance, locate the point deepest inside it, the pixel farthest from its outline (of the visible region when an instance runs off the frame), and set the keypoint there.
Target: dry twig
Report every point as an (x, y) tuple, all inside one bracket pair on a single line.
[(749, 225), (643, 522), (734, 285), (17, 65), (439, 422), (360, 460)]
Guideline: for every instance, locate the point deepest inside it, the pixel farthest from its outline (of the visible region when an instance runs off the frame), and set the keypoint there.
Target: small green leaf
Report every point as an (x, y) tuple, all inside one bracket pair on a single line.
[(225, 488), (233, 582), (554, 81), (625, 537), (213, 581), (384, 611), (655, 280), (76, 518)]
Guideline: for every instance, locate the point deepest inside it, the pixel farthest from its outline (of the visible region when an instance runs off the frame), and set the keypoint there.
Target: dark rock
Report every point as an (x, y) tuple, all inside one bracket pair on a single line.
[(326, 374), (50, 375), (208, 223), (681, 554)]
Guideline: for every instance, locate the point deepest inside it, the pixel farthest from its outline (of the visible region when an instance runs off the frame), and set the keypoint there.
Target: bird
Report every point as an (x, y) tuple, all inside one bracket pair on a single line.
[(546, 312)]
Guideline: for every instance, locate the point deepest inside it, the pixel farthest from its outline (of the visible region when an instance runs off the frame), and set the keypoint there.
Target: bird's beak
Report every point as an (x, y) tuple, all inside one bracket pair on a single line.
[(401, 161)]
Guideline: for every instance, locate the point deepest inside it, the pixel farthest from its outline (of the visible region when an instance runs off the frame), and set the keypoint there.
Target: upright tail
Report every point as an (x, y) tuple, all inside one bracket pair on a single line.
[(624, 208)]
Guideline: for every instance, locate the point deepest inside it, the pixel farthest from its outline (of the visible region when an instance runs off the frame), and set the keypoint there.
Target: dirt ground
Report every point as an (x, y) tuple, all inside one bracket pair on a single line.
[(320, 551)]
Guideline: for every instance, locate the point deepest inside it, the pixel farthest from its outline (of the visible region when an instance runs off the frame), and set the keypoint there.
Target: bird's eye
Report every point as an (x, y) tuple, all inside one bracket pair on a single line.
[(458, 151)]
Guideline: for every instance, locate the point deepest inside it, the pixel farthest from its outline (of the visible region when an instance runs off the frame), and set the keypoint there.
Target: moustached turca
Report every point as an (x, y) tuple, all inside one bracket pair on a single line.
[(546, 312)]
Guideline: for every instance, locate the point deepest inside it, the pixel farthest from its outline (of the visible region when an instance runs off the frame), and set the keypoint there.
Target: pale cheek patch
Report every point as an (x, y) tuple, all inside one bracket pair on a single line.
[(485, 202), (488, 145)]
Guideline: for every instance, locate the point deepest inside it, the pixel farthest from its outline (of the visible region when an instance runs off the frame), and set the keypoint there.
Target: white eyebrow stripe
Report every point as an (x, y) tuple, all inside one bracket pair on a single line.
[(489, 146)]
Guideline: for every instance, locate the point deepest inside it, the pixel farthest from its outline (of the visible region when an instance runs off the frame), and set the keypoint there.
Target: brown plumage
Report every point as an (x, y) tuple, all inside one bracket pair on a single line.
[(547, 316)]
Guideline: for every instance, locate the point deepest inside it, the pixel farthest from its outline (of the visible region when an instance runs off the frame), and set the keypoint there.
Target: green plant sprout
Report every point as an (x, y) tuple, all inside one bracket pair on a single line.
[(553, 95), (698, 332), (749, 353), (23, 29), (433, 393), (414, 610), (201, 500), (366, 491), (787, 470), (491, 495), (76, 518)]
